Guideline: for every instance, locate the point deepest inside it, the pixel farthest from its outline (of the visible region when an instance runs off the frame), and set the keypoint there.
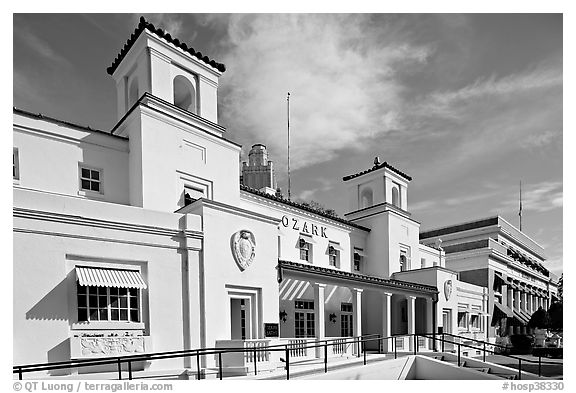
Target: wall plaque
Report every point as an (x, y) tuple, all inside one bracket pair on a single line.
[(243, 246), (271, 330)]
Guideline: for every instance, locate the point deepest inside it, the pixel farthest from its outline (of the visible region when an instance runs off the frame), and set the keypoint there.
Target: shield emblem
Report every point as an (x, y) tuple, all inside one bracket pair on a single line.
[(243, 246), (447, 289)]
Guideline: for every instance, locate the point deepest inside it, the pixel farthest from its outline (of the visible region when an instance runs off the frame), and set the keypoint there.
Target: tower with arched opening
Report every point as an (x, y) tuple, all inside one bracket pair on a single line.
[(378, 199)]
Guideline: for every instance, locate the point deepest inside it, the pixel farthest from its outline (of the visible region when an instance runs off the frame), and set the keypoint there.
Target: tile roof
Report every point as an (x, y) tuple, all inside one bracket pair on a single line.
[(40, 116), (399, 284), (376, 167), (301, 206), (144, 24)]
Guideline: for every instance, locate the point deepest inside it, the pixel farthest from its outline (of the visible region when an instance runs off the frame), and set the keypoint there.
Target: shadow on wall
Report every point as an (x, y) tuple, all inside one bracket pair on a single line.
[(59, 353), (54, 305)]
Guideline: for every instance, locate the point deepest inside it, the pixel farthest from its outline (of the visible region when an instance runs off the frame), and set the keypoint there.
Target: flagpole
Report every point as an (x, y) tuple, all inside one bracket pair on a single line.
[(520, 211), (288, 110)]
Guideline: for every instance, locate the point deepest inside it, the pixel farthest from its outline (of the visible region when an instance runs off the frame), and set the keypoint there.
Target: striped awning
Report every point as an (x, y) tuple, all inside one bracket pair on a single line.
[(507, 311), (115, 278)]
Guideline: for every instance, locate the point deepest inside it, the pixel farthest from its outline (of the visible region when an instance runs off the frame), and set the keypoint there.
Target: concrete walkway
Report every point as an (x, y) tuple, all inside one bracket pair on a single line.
[(316, 366)]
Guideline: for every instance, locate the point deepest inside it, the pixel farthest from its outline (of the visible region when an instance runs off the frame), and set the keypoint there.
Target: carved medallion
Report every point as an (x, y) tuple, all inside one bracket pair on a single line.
[(447, 289), (243, 248)]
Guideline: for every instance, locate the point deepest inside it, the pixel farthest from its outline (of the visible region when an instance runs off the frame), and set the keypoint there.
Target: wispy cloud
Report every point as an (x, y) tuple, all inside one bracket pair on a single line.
[(42, 48), (339, 69), (308, 194), (541, 139), (541, 197), (455, 102)]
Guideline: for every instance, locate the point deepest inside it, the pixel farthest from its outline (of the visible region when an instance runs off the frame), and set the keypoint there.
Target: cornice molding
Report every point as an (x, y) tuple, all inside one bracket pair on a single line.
[(354, 277), (97, 223)]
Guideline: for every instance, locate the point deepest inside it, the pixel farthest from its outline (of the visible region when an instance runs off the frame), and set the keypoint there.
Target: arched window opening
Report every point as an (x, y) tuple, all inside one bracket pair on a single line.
[(133, 93), (184, 94), (395, 196), (366, 198)]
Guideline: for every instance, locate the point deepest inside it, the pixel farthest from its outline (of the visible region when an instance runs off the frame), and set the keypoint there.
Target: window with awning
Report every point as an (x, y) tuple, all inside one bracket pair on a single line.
[(115, 278), (108, 294)]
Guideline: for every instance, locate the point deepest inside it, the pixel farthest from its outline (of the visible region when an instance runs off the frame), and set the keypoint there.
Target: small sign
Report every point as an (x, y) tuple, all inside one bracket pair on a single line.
[(271, 330)]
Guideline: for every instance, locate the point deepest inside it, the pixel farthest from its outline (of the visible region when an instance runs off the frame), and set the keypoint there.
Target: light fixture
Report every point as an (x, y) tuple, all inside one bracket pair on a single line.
[(332, 318), (283, 315)]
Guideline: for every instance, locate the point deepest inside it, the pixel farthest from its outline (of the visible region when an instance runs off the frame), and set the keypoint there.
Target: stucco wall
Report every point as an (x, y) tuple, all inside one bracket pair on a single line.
[(50, 155), (47, 247)]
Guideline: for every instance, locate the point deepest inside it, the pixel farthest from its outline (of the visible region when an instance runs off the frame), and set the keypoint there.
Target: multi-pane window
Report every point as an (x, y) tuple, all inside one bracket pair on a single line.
[(357, 261), (304, 318), (90, 179), (346, 326), (462, 321), (15, 164), (305, 249), (332, 256), (107, 304), (243, 318), (475, 321)]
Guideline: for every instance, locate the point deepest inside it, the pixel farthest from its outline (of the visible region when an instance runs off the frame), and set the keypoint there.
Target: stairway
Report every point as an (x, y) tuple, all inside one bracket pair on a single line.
[(464, 364)]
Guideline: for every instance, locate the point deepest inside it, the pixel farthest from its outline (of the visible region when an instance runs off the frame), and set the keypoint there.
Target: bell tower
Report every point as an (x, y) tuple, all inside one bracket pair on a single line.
[(154, 62), (378, 199), (167, 108)]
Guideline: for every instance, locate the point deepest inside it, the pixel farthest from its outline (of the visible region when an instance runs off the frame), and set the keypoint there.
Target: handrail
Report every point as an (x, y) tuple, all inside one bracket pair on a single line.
[(358, 342), (481, 342), (176, 354)]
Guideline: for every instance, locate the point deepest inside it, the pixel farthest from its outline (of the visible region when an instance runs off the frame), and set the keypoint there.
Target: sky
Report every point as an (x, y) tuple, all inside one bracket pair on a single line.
[(468, 105)]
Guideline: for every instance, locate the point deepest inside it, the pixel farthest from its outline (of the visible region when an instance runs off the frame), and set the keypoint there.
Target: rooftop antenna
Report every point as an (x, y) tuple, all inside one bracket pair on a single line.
[(520, 211), (288, 108)]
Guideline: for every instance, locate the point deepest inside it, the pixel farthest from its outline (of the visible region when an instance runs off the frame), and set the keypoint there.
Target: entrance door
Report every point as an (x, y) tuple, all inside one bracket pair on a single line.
[(447, 320), (240, 319)]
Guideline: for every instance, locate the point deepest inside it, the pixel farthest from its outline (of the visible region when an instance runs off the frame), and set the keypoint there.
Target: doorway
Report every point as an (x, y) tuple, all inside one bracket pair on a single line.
[(240, 319), (447, 320)]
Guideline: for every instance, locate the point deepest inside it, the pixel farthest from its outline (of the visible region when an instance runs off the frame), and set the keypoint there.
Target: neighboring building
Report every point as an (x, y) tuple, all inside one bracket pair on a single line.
[(142, 239), (494, 254), (258, 173)]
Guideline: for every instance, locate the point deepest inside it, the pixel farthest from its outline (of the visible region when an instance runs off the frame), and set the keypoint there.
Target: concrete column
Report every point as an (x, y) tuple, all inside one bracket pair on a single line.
[(534, 303), (319, 325), (386, 321), (504, 294), (429, 320), (516, 299), (510, 296), (524, 301), (411, 313), (357, 311), (529, 304)]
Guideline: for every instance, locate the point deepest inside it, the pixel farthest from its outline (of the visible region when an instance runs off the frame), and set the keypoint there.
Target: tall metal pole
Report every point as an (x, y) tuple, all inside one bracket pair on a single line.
[(288, 102), (520, 211)]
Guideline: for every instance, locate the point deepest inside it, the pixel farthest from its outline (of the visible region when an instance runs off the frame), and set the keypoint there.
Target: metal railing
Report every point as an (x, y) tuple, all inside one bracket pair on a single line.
[(485, 347), (256, 353)]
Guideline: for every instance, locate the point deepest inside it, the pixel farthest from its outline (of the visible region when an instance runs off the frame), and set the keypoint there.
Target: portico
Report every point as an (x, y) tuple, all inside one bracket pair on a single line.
[(345, 304)]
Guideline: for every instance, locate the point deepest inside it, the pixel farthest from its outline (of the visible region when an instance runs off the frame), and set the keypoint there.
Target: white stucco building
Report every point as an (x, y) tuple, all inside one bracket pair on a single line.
[(141, 238)]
